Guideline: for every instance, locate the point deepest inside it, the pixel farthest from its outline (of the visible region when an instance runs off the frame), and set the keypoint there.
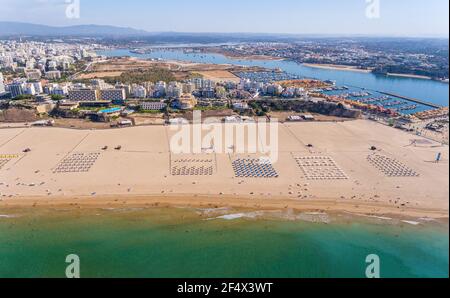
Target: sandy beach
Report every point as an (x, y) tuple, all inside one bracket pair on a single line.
[(408, 76), (356, 69), (337, 67), (142, 172)]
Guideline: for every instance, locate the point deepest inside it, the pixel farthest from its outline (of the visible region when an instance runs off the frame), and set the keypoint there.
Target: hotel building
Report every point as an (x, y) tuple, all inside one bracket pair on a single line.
[(113, 94), (83, 95), (153, 106)]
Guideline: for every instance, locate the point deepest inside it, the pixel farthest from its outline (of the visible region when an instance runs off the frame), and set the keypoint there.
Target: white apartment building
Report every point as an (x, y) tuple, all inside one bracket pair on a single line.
[(188, 88), (174, 90), (140, 92), (29, 89), (60, 90), (34, 74), (2, 84), (53, 75), (161, 88), (100, 84), (153, 106), (56, 89), (37, 87), (202, 83), (52, 65)]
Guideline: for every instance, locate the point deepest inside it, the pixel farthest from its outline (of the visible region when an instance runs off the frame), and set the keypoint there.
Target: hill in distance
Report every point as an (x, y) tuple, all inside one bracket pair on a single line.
[(26, 29)]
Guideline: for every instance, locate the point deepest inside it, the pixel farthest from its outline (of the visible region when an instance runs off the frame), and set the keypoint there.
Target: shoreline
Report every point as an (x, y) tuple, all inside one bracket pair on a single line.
[(337, 67), (142, 172), (355, 69), (147, 236), (411, 76), (365, 209), (240, 57)]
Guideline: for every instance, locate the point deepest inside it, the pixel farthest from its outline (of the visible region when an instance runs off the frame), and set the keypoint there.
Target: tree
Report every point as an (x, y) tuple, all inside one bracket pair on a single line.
[(23, 97), (57, 97)]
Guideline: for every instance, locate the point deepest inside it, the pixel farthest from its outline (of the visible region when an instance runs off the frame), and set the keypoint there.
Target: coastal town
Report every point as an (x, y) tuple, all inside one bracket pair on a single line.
[(66, 90), (380, 56), (71, 85), (211, 142)]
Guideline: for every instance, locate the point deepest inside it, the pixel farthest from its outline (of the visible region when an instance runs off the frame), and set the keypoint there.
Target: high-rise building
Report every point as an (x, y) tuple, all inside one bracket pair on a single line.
[(174, 90), (2, 84), (33, 74), (160, 89), (100, 84), (188, 88), (139, 92), (29, 89), (16, 89), (53, 75), (125, 87), (113, 94), (38, 87), (83, 95)]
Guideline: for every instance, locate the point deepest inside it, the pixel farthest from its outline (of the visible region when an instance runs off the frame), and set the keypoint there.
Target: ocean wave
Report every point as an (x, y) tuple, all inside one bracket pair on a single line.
[(313, 217), (417, 222), (380, 217), (122, 209), (414, 223), (250, 215), (370, 216), (427, 219), (8, 216), (206, 211)]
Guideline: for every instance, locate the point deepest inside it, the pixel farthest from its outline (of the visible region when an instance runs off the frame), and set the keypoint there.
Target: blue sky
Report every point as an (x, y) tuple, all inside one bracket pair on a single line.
[(397, 17)]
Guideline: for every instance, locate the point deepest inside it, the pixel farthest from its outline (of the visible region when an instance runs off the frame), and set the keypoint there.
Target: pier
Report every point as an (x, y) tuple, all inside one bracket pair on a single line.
[(428, 104)]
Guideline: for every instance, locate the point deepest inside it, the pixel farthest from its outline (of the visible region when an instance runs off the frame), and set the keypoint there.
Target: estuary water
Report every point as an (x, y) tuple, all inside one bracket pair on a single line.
[(425, 90)]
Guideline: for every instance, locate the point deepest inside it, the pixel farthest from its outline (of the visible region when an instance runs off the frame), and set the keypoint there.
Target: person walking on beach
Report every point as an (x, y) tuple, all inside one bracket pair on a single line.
[(438, 157)]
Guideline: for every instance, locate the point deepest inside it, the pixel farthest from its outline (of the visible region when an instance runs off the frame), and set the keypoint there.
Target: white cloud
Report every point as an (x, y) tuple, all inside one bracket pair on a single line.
[(33, 11)]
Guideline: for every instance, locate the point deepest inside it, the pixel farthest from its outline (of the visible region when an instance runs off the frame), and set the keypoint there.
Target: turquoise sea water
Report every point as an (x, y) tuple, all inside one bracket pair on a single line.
[(180, 243), (426, 90)]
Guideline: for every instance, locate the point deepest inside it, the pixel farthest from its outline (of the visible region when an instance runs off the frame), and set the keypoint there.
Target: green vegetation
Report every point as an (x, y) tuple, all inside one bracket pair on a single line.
[(56, 97), (436, 72), (141, 111), (82, 81), (195, 75), (210, 108), (92, 109), (23, 97), (64, 79), (140, 76), (260, 110)]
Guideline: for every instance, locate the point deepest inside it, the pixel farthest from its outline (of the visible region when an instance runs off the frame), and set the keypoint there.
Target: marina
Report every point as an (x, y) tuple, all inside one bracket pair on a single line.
[(429, 104), (434, 92)]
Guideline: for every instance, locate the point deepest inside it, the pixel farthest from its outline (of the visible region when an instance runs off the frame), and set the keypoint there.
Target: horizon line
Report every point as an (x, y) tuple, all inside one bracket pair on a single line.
[(373, 35)]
